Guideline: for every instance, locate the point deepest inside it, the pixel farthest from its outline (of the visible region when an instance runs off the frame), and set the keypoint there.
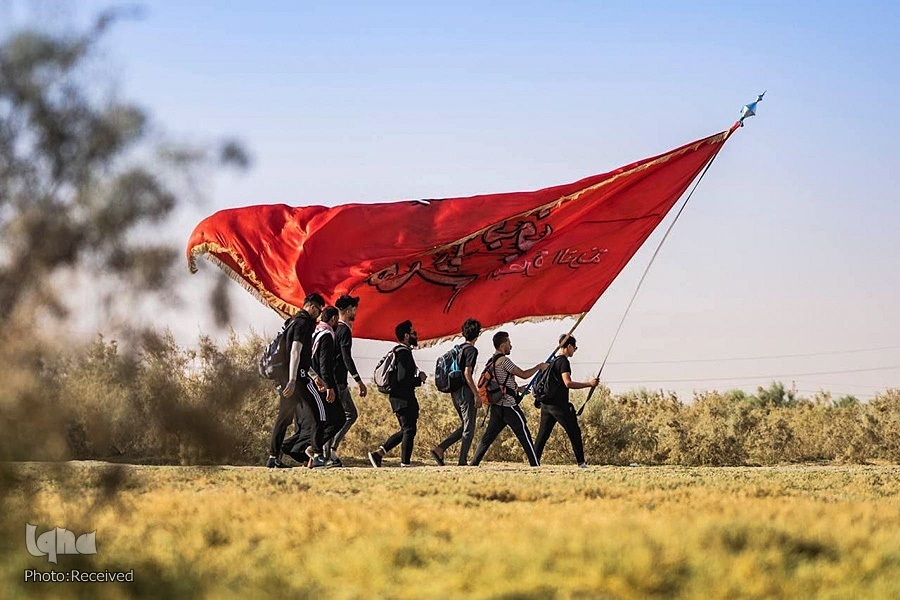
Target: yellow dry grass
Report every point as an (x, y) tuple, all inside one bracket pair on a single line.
[(497, 531)]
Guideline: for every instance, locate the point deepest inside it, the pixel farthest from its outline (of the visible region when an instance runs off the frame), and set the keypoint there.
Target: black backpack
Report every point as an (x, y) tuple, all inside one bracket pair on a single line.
[(546, 384), (448, 376), (276, 360)]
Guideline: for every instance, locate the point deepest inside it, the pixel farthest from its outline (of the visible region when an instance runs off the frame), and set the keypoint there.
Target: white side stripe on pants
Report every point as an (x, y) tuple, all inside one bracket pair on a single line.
[(315, 394), (521, 416)]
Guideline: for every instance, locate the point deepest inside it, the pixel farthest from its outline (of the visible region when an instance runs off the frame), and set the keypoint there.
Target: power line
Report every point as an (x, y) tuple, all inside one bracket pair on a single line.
[(740, 358), (851, 385), (739, 377)]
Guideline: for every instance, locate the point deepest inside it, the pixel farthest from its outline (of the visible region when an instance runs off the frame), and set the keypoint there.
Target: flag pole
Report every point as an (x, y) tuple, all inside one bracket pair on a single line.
[(643, 276), (747, 111)]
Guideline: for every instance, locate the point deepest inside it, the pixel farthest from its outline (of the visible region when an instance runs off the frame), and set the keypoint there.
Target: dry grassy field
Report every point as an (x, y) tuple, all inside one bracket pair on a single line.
[(498, 531)]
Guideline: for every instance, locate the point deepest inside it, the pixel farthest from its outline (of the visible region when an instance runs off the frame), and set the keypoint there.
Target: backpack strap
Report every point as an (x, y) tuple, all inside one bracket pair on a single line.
[(506, 380), (456, 353), (491, 363)]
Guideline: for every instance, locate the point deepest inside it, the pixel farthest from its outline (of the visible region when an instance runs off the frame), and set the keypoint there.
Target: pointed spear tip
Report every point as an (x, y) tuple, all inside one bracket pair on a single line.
[(749, 110)]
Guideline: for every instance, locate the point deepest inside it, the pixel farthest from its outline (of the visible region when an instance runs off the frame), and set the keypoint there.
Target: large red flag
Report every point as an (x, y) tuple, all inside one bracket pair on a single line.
[(497, 257)]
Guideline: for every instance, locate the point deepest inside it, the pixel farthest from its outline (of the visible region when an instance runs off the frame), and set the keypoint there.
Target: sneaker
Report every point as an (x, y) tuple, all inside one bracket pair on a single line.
[(317, 461), (405, 465), (274, 463), (583, 465), (375, 459), (437, 457), (334, 462)]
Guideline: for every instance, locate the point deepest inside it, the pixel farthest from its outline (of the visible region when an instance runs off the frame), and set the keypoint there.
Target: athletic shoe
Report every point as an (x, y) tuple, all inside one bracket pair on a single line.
[(437, 457), (334, 462), (317, 461), (375, 459), (274, 463), (404, 465), (583, 465)]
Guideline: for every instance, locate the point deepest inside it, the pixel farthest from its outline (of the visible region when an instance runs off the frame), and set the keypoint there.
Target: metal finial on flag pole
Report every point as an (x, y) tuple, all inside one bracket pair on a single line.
[(750, 109)]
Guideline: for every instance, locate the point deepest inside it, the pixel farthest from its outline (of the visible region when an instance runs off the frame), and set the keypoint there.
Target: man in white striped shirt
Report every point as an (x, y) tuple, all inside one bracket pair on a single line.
[(506, 411)]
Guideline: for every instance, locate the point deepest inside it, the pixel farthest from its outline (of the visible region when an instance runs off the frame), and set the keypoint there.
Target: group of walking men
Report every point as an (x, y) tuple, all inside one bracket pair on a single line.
[(316, 397)]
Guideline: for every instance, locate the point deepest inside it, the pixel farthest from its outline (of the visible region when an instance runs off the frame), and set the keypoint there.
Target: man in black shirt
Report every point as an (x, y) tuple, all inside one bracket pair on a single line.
[(403, 397), (463, 398), (298, 388), (558, 409), (344, 365), (323, 359)]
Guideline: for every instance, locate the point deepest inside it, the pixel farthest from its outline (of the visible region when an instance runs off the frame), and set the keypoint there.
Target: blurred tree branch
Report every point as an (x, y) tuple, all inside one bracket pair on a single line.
[(71, 193)]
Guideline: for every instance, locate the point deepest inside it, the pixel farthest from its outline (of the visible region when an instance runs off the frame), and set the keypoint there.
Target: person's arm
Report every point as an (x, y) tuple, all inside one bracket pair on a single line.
[(578, 385), (296, 346), (470, 381), (527, 374), (326, 365), (344, 345), (419, 377), (408, 373)]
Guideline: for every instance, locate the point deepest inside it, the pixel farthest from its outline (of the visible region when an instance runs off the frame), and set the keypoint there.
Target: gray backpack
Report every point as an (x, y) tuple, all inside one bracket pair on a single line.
[(386, 371)]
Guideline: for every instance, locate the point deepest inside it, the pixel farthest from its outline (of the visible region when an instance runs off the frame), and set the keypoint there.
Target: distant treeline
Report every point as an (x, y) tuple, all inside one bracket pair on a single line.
[(166, 404)]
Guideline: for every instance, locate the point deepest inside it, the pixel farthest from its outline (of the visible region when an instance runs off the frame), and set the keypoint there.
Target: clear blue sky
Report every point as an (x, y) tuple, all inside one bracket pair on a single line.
[(789, 246)]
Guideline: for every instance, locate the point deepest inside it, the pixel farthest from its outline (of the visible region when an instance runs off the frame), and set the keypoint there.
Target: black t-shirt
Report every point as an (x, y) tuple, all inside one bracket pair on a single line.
[(559, 366), (468, 356), (301, 330)]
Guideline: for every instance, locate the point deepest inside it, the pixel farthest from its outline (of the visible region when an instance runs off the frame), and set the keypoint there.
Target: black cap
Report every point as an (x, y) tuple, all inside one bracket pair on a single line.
[(346, 301)]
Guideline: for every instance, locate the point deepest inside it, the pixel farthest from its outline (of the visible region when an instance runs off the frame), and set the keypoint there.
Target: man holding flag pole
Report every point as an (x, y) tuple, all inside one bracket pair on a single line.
[(555, 405)]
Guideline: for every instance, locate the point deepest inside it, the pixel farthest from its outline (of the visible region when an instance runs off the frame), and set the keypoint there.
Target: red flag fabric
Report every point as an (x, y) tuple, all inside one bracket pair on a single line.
[(496, 257)]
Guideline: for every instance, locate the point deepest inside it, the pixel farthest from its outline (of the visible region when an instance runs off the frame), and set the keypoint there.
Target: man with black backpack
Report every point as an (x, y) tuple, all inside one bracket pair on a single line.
[(554, 401), (463, 397), (505, 410), (298, 387), (404, 378)]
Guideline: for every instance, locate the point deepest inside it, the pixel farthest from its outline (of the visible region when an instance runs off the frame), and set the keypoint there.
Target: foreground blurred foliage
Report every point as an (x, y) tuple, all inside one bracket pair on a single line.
[(168, 404), (86, 188)]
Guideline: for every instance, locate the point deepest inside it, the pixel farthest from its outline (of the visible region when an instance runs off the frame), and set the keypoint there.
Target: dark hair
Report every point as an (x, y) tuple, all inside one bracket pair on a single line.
[(569, 342), (402, 329), (471, 329), (346, 301), (329, 313), (499, 338), (315, 299)]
